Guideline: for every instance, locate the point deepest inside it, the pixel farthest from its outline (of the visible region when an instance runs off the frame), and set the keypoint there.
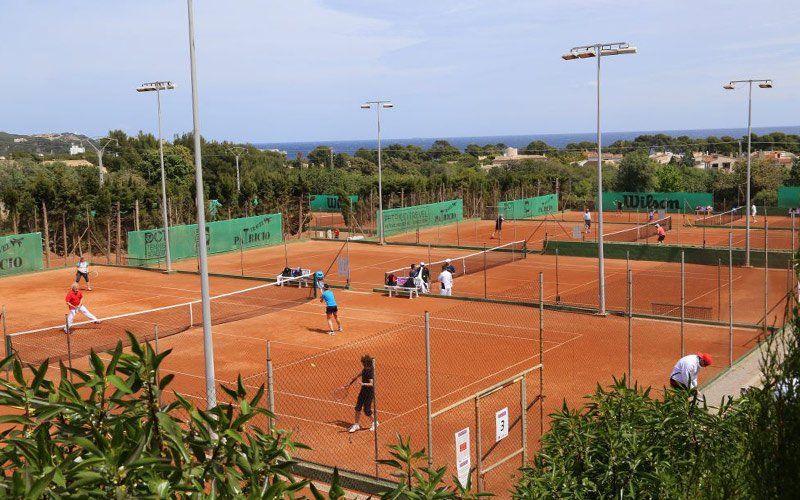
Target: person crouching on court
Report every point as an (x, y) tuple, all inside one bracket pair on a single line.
[(366, 395), (74, 301), (445, 279), (684, 374)]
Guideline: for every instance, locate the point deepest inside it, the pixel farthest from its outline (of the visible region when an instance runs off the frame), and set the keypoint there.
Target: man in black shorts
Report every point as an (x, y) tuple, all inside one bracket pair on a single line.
[(498, 227), (366, 395)]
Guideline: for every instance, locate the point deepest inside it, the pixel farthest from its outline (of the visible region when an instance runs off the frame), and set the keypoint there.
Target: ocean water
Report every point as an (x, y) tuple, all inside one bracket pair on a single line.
[(517, 141)]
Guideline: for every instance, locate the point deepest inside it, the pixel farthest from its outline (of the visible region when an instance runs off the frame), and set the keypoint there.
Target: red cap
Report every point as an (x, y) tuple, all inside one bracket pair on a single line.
[(705, 358)]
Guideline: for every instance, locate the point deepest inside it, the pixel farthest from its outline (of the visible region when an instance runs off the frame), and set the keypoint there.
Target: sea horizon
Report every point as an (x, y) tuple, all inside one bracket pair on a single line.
[(292, 148)]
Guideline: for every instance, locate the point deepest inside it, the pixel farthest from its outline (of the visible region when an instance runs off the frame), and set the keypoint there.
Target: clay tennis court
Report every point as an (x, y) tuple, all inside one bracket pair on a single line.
[(474, 345)]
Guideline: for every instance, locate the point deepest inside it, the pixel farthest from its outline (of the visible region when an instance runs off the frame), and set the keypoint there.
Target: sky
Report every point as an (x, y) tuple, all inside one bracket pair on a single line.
[(296, 70)]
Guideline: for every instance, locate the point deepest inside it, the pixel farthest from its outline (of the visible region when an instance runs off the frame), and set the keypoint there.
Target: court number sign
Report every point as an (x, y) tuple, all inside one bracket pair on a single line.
[(501, 424)]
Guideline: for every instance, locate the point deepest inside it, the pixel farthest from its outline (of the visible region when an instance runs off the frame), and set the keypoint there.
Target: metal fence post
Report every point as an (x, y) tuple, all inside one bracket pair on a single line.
[(485, 272), (719, 289), (158, 370), (478, 447), (270, 385), (375, 413), (523, 404), (730, 299), (558, 295), (683, 304), (69, 345), (793, 234), (766, 273), (429, 401), (630, 326), (541, 353), (241, 254), (458, 234)]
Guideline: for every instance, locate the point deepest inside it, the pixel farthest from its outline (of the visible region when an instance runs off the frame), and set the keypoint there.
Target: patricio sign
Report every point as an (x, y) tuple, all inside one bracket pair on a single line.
[(672, 202)]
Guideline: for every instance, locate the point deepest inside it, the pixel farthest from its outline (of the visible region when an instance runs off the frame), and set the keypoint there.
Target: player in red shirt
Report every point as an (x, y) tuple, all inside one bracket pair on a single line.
[(661, 234), (74, 301)]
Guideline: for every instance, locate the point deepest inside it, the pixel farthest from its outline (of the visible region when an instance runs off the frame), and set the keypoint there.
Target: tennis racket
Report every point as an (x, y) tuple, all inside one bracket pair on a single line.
[(341, 392)]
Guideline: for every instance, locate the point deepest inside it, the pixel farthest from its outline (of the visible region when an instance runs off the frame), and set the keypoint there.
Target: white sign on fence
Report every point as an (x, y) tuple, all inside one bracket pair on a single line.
[(501, 424), (577, 232), (343, 266), (463, 456)]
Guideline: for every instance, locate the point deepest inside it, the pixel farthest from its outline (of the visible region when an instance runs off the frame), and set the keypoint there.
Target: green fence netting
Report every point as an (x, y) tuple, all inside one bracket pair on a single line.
[(671, 202), (20, 253), (328, 202), (529, 207), (401, 220), (147, 247), (789, 197)]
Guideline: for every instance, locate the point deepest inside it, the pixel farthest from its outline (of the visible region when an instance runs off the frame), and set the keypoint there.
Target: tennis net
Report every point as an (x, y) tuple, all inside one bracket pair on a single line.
[(54, 343), (720, 219), (639, 232), (476, 262)]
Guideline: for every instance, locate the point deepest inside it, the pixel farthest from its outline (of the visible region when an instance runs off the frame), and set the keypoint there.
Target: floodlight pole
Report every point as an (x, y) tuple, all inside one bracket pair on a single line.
[(157, 87), (100, 151), (764, 84), (236, 150), (208, 342), (599, 50), (378, 105)]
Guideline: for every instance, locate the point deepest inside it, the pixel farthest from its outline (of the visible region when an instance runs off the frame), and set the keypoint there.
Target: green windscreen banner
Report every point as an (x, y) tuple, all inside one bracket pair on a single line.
[(329, 202), (529, 207), (678, 201), (20, 253), (789, 197), (148, 246), (401, 220)]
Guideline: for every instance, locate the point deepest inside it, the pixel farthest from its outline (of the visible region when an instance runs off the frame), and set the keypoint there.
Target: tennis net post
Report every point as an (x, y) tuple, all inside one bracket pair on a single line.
[(766, 272), (158, 371), (558, 295), (719, 289), (630, 326)]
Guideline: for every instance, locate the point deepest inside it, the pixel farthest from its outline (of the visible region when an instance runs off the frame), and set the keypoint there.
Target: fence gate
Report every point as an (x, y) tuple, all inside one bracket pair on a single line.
[(489, 431)]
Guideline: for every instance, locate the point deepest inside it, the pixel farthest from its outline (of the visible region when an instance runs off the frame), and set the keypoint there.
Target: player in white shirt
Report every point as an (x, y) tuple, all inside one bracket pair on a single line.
[(684, 373), (83, 272), (753, 212), (587, 221), (445, 279)]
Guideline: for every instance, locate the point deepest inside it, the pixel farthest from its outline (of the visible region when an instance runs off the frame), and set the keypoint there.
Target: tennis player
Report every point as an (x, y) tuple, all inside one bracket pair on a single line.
[(83, 272), (450, 266), (753, 212), (651, 215), (498, 227), (587, 221), (445, 279), (74, 301), (684, 374), (331, 309), (366, 395), (662, 234), (424, 277)]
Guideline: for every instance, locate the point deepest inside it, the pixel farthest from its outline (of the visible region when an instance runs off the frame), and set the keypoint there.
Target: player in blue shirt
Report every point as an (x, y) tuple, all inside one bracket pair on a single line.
[(331, 309)]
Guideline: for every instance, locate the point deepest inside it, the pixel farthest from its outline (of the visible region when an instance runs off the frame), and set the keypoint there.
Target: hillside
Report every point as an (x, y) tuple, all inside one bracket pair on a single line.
[(46, 144)]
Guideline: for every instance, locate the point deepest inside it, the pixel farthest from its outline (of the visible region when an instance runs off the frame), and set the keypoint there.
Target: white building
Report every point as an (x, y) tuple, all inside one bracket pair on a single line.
[(75, 149)]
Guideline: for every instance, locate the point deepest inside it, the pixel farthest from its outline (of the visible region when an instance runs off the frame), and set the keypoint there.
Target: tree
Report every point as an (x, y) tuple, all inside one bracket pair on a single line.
[(794, 173), (321, 156), (636, 172)]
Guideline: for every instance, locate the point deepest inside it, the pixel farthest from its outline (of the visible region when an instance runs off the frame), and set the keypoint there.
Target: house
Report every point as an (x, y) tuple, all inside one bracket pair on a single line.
[(714, 162), (665, 157), (512, 154), (781, 158), (75, 149), (608, 158)]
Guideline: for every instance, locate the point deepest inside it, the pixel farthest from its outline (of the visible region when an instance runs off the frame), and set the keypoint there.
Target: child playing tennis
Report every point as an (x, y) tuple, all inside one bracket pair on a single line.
[(366, 395), (331, 309), (83, 272)]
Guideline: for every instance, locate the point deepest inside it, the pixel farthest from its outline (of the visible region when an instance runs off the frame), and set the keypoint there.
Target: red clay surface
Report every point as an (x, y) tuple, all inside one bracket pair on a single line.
[(478, 233), (474, 345)]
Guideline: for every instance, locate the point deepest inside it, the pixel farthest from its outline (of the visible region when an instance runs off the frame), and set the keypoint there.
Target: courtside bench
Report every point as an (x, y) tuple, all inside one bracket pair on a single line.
[(401, 288), (296, 272)]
